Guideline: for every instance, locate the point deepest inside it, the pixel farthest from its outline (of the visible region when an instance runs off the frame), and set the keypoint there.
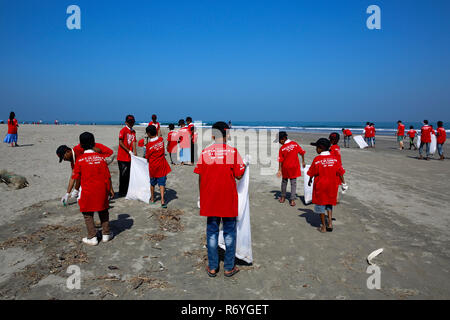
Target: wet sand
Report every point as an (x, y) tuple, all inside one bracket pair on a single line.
[(395, 202)]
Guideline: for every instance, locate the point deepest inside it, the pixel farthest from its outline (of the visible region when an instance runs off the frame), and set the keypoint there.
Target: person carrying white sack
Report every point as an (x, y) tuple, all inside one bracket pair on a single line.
[(218, 168)]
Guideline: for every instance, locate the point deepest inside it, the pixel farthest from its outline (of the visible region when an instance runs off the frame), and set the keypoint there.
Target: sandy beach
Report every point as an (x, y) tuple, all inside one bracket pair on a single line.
[(395, 202)]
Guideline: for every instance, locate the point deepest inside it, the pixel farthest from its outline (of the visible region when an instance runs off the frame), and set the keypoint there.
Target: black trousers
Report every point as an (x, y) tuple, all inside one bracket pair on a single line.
[(192, 151), (124, 177)]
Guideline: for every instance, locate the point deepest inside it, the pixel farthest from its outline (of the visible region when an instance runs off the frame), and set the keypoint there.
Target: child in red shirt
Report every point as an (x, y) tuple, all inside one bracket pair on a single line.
[(289, 165), (172, 141), (411, 134), (92, 174), (158, 166), (347, 137), (155, 123), (400, 134), (218, 167), (324, 169), (127, 147), (11, 136), (441, 137), (335, 150), (425, 139)]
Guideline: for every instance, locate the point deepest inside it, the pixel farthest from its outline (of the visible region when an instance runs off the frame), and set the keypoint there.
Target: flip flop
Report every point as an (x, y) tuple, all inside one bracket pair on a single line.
[(208, 271), (164, 206), (329, 229), (282, 200), (232, 272), (292, 203)]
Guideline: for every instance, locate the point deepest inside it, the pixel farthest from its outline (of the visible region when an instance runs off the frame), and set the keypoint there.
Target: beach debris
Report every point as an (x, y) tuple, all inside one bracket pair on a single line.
[(151, 283), (156, 237), (373, 255), (170, 220), (12, 180), (113, 268)]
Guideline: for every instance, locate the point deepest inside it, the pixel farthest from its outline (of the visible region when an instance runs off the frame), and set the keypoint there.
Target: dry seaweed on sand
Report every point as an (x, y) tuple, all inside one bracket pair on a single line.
[(13, 180), (150, 283), (155, 237), (170, 220)]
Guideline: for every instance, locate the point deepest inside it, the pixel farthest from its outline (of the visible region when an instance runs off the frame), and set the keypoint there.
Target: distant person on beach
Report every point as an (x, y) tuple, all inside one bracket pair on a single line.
[(372, 134), (367, 132), (400, 134), (172, 143), (335, 150), (441, 137), (412, 134), (71, 155), (12, 136), (289, 165), (157, 164), (127, 147), (425, 139), (325, 169), (347, 137), (191, 129), (91, 173), (155, 123), (184, 140), (218, 168)]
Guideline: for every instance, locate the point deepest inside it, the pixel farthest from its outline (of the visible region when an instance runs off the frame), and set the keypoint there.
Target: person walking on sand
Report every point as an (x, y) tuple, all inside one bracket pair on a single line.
[(400, 134), (289, 165), (172, 138), (155, 123), (325, 169), (127, 147), (425, 139), (412, 134), (11, 136), (91, 173), (184, 143), (372, 134), (367, 132), (218, 168), (441, 137)]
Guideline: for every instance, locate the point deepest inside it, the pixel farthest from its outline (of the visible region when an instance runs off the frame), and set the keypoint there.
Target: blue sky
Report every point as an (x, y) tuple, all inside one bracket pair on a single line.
[(219, 60)]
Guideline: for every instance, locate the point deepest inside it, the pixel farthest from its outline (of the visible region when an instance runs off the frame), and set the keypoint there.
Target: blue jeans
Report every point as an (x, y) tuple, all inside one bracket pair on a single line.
[(440, 149), (427, 147), (347, 141), (369, 141), (212, 242)]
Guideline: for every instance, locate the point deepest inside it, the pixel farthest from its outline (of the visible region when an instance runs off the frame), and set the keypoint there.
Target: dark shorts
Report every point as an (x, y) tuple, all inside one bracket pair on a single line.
[(160, 181)]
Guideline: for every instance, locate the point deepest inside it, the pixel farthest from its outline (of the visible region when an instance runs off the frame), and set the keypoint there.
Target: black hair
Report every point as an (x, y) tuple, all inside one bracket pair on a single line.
[(425, 121), (334, 136), (282, 135), (154, 117), (372, 124), (343, 129), (411, 127), (87, 140), (367, 123), (440, 124), (129, 117), (181, 121), (151, 130), (12, 115), (222, 127), (171, 126), (188, 119), (399, 121)]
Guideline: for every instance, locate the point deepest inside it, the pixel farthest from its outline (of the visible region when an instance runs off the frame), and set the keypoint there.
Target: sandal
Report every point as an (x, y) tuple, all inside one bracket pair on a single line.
[(208, 271), (231, 272), (292, 203), (282, 199), (164, 205), (329, 229)]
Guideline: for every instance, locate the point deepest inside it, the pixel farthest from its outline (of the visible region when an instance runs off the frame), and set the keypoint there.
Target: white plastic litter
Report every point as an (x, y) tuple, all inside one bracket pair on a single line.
[(373, 255), (360, 142), (139, 186), (433, 145), (308, 189), (418, 142), (244, 234)]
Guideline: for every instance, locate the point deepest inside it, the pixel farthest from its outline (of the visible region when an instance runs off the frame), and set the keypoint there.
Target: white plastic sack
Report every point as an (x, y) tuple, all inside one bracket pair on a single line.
[(418, 142), (139, 186), (244, 234), (360, 142), (433, 145), (308, 189)]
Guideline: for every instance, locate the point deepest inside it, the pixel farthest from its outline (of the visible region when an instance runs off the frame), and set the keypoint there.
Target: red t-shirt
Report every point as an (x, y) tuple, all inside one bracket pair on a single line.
[(367, 132), (12, 126), (372, 132), (347, 132), (412, 133), (92, 171), (128, 136), (172, 140), (325, 168), (401, 130), (426, 134), (335, 150), (78, 151), (441, 135), (184, 137), (288, 156), (156, 124), (157, 164), (218, 167)]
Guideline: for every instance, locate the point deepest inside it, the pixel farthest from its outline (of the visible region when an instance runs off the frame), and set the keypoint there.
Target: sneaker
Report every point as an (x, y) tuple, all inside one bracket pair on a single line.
[(92, 242), (107, 237)]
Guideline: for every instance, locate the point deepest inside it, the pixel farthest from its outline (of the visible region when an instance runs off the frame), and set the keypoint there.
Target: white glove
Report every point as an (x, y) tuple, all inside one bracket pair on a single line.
[(344, 187), (74, 193), (131, 153), (65, 198), (198, 202)]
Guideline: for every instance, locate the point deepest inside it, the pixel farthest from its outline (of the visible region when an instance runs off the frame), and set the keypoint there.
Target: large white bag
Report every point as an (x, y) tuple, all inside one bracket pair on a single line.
[(244, 234), (433, 145), (360, 142), (418, 142), (308, 189), (139, 186)]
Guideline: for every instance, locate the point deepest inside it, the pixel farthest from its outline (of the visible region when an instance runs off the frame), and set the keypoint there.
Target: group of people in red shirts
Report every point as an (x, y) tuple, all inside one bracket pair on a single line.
[(426, 133), (326, 171), (369, 134)]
